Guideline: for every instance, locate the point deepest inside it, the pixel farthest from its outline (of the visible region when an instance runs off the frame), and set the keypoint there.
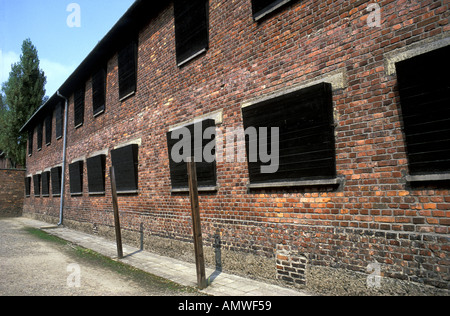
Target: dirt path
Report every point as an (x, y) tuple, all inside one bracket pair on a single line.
[(32, 265)]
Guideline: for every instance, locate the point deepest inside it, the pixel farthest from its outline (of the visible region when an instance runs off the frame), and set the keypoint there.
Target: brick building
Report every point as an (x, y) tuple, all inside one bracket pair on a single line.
[(359, 92)]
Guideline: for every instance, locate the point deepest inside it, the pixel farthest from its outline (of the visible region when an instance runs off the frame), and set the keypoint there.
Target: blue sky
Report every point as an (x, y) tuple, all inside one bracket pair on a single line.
[(61, 48)]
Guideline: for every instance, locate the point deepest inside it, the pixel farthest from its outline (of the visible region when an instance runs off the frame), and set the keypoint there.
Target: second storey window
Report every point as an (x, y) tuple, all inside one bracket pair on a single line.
[(127, 70), (263, 7), (39, 135), (30, 142), (98, 91), (48, 129), (79, 106), (59, 120), (191, 28)]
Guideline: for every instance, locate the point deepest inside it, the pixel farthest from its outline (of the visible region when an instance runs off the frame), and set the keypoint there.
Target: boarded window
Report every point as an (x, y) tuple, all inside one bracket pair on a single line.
[(96, 174), (306, 135), (263, 7), (30, 141), (79, 106), (76, 178), (56, 180), (191, 28), (28, 186), (48, 129), (39, 135), (125, 163), (46, 184), (127, 70), (37, 185), (424, 86), (206, 171), (99, 91), (59, 120)]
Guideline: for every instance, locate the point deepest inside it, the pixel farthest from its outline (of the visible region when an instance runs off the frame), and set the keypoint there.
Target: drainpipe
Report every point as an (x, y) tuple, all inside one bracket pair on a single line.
[(63, 176)]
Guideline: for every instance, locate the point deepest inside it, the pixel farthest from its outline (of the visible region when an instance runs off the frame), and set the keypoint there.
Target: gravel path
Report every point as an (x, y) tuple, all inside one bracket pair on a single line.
[(31, 266)]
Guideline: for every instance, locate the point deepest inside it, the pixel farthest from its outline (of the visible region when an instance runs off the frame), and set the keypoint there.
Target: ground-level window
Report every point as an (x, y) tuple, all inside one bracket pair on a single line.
[(96, 174), (28, 186), (76, 178), (45, 177), (37, 185), (56, 180), (125, 163), (298, 130), (424, 86), (190, 141)]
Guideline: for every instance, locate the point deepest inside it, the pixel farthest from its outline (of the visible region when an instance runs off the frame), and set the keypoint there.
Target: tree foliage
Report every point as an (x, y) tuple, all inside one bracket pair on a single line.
[(23, 93)]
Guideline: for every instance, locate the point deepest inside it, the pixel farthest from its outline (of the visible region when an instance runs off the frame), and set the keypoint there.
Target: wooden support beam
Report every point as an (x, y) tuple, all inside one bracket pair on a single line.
[(196, 225), (116, 214)]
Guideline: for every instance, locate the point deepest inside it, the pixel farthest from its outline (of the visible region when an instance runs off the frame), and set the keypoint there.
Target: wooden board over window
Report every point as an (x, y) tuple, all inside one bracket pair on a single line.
[(125, 162), (127, 70), (306, 135), (191, 28), (96, 174), (206, 171), (424, 86), (76, 178)]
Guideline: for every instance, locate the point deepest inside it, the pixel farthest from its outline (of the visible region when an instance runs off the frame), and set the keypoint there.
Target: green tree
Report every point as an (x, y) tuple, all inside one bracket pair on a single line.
[(24, 93)]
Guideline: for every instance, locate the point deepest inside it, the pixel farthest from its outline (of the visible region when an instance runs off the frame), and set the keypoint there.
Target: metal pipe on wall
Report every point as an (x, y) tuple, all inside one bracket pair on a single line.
[(63, 176)]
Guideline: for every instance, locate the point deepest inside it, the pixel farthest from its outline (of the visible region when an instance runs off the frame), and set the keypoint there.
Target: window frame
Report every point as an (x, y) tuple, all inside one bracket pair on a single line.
[(100, 75), (183, 56), (124, 67), (266, 105), (212, 166), (79, 101), (275, 5)]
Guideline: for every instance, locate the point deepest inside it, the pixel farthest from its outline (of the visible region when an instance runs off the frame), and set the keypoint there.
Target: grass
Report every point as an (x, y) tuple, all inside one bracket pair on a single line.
[(88, 256)]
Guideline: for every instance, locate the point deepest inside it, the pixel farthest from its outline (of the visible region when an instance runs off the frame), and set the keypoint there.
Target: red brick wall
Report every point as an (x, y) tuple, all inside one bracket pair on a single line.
[(374, 215), (12, 192)]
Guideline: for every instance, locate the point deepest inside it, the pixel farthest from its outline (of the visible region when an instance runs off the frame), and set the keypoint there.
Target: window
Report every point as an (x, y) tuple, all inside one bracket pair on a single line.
[(191, 28), (76, 178), (48, 129), (263, 7), (79, 106), (39, 135), (125, 163), (96, 174), (184, 146), (30, 142), (99, 91), (306, 145), (56, 181), (37, 185), (28, 186), (127, 70), (59, 120), (424, 86), (45, 184)]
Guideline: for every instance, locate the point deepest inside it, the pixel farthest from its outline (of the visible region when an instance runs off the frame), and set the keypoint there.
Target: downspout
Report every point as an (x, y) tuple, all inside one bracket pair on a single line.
[(63, 176)]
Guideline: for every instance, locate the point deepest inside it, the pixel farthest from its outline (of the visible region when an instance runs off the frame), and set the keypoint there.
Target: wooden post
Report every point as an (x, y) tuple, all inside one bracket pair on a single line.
[(197, 229), (116, 214)]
